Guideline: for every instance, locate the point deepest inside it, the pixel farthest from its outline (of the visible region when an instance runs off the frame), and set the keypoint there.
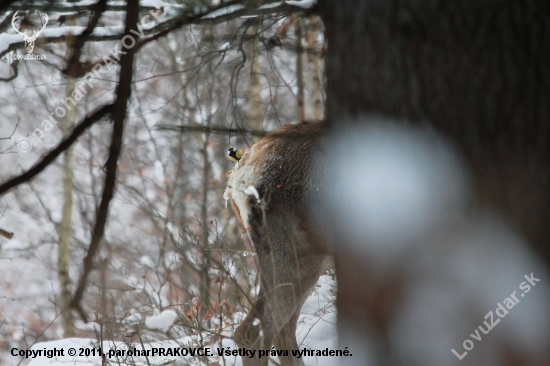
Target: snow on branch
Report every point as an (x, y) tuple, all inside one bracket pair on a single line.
[(174, 17), (65, 7), (6, 234)]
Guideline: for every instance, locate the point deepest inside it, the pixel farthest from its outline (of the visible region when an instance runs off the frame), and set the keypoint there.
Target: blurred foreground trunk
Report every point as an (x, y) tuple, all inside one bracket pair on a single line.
[(478, 73)]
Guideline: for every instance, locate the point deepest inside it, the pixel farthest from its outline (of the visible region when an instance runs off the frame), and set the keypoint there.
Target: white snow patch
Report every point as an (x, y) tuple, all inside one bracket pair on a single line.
[(304, 4), (12, 244), (132, 320), (271, 5), (7, 39), (317, 323), (158, 4), (224, 11), (390, 185), (162, 322), (159, 171), (225, 46), (316, 330), (146, 261)]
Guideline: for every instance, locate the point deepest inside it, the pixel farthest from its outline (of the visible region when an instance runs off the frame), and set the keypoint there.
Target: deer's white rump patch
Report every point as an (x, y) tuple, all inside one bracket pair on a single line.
[(241, 178)]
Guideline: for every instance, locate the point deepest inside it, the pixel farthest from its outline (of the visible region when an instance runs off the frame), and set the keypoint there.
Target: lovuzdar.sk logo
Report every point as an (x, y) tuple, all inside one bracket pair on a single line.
[(27, 23)]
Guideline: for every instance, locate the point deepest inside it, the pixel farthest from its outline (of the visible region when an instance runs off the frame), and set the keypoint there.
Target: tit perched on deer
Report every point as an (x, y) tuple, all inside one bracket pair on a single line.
[(235, 155)]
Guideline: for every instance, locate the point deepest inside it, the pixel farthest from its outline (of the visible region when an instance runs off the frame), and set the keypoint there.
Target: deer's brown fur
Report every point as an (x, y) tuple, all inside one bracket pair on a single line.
[(290, 255)]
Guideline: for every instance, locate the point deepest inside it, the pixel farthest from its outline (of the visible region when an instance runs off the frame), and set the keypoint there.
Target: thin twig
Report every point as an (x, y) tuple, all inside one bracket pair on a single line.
[(14, 129)]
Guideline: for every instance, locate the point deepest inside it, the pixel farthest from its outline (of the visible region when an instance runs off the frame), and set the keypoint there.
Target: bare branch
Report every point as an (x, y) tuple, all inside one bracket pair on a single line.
[(15, 71), (63, 145), (6, 22), (212, 15), (211, 129), (73, 65), (120, 109), (64, 7)]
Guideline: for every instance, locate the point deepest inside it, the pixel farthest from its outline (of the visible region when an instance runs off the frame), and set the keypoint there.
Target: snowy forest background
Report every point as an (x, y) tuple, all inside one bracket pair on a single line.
[(436, 217), (170, 242)]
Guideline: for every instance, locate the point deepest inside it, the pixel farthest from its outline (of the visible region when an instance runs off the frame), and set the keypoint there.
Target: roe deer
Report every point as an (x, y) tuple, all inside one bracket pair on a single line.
[(291, 257)]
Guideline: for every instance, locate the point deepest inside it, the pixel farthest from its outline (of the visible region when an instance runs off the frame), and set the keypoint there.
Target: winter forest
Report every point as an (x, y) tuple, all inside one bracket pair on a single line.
[(420, 233)]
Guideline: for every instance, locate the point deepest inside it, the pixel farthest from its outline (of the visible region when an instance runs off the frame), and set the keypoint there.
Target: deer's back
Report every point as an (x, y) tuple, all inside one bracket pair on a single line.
[(280, 167)]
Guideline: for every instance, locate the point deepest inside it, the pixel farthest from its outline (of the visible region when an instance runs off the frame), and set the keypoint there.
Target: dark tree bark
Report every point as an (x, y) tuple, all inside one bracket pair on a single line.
[(478, 71)]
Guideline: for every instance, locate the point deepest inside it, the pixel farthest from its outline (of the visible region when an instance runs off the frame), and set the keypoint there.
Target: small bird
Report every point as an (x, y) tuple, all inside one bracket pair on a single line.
[(235, 155)]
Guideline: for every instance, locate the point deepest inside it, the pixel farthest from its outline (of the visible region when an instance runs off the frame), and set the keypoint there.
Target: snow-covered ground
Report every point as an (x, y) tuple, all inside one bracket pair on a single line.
[(316, 330)]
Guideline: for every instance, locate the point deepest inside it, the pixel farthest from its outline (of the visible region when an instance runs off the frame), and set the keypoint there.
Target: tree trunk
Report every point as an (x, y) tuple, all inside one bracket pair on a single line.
[(476, 71), (479, 73), (63, 251), (314, 65), (204, 272), (255, 106), (299, 71)]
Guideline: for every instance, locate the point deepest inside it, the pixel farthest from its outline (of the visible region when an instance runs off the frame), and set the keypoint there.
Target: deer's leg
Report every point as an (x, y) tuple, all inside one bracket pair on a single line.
[(251, 335), (274, 316), (290, 263), (286, 339), (310, 269)]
